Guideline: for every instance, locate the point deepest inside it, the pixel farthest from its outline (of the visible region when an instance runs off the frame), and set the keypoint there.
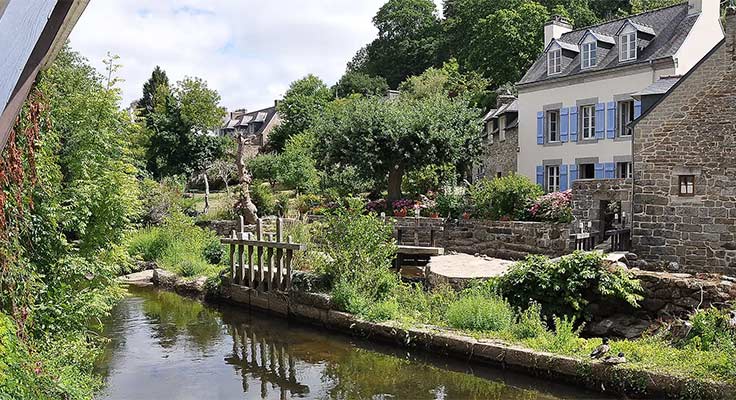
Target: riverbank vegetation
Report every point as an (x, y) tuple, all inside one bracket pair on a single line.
[(539, 304)]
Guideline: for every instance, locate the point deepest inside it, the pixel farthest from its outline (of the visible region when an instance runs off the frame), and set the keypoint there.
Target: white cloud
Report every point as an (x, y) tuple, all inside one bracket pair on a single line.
[(248, 50)]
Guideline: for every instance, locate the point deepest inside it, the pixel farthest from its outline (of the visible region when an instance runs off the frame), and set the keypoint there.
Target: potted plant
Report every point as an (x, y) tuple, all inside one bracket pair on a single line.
[(401, 207), (466, 215), (429, 206)]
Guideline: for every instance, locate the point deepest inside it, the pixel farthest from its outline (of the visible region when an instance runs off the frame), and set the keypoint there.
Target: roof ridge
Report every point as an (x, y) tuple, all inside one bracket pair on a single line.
[(624, 18)]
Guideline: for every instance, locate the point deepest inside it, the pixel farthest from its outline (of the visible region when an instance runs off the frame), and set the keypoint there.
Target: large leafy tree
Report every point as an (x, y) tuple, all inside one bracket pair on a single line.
[(508, 41), (301, 107), (354, 82), (449, 81), (383, 139), (180, 143), (409, 37)]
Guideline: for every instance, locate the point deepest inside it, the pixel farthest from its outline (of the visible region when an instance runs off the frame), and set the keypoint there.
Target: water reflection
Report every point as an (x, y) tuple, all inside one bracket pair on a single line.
[(167, 347)]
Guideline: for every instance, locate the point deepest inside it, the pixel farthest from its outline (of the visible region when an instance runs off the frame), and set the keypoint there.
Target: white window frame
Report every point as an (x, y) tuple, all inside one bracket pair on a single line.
[(589, 55), (552, 178), (553, 123), (587, 125), (625, 117), (554, 62), (628, 46), (624, 170)]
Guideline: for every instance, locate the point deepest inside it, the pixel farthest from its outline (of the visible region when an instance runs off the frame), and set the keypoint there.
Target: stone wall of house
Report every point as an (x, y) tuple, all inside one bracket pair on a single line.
[(512, 240), (691, 132), (500, 156), (588, 196)]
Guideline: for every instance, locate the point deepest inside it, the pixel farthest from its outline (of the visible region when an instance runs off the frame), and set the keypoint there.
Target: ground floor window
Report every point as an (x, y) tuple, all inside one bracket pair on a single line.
[(586, 171), (624, 170), (687, 185), (553, 178)]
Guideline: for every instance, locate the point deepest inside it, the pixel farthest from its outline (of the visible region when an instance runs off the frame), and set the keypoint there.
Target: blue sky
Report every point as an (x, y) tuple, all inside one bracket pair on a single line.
[(249, 51)]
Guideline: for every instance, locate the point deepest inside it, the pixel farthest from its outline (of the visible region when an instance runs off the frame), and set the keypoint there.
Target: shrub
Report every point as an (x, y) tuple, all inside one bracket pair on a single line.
[(265, 167), (345, 180), (360, 249), (282, 204), (263, 198), (160, 200), (450, 203), (507, 197), (529, 323), (480, 313), (553, 207), (308, 202), (711, 331), (429, 178), (147, 244), (566, 287), (213, 252), (377, 206)]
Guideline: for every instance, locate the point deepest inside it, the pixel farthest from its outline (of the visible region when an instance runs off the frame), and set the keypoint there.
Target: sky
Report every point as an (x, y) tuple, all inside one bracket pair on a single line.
[(249, 51)]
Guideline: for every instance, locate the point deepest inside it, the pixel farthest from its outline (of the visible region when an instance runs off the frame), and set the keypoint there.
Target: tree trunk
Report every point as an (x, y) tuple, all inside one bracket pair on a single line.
[(245, 206), (395, 176), (206, 193)]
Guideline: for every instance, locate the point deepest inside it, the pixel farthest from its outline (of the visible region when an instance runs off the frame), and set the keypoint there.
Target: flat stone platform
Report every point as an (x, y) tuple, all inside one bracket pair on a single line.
[(458, 269)]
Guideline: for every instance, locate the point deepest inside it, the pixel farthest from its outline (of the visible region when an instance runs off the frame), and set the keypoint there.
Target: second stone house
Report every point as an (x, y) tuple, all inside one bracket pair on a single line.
[(576, 101), (500, 139)]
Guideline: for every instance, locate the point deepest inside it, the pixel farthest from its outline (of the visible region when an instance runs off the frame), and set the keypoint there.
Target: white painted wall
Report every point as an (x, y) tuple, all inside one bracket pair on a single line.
[(604, 87), (21, 25), (705, 34)]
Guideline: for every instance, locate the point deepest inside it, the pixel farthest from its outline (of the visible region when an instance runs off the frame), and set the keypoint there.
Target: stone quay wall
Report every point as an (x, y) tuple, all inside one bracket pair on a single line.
[(512, 240)]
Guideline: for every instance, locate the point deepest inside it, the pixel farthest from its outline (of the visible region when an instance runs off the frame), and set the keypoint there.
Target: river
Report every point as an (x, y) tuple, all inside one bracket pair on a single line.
[(164, 346)]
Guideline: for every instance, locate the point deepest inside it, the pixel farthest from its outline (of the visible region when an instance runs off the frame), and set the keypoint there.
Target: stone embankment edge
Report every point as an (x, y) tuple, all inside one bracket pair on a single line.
[(317, 310)]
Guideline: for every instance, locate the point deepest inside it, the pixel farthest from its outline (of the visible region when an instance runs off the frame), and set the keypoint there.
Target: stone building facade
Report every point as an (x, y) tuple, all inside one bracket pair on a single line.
[(604, 203), (500, 140), (685, 168)]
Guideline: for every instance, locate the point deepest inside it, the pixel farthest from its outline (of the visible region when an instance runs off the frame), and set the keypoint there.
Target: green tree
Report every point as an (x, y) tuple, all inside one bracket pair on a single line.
[(508, 41), (449, 81), (199, 107), (384, 139), (640, 6), (354, 82), (409, 37), (301, 107), (155, 91)]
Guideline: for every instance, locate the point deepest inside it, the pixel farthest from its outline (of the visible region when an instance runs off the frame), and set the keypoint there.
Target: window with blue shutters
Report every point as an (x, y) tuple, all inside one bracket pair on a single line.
[(563, 178), (564, 124), (573, 173), (587, 118), (610, 170), (611, 120), (540, 175), (540, 127), (637, 109), (626, 112), (600, 120), (573, 124), (599, 171)]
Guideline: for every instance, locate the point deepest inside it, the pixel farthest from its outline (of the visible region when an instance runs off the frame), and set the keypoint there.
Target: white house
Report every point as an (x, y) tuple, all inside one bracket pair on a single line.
[(577, 99)]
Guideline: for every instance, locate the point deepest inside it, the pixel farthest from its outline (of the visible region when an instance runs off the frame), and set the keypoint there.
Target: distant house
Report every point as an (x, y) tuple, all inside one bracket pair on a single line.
[(500, 139), (577, 100), (684, 212), (254, 125)]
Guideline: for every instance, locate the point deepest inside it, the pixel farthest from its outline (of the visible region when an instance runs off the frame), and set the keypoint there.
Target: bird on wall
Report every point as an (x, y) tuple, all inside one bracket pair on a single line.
[(601, 350)]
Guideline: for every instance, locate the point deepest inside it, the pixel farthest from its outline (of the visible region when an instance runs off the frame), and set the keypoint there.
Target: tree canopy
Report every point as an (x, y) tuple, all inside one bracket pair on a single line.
[(383, 139)]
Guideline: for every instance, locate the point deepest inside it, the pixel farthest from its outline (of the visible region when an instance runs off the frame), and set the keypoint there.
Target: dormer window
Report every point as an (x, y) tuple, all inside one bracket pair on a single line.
[(554, 61), (628, 45), (589, 55)]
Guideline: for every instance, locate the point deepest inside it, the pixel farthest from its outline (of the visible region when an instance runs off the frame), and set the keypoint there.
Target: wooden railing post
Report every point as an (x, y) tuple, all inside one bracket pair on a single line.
[(232, 259)]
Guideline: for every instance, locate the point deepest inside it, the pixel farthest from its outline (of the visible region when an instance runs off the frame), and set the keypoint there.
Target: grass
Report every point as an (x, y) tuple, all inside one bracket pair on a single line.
[(178, 246)]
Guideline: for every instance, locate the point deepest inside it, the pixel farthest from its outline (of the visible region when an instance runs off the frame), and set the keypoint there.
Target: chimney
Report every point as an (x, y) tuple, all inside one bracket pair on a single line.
[(504, 99), (709, 8), (556, 27)]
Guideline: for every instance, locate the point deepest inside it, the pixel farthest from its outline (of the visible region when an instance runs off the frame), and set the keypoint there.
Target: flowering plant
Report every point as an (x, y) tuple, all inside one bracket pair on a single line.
[(553, 207), (402, 204), (377, 206)]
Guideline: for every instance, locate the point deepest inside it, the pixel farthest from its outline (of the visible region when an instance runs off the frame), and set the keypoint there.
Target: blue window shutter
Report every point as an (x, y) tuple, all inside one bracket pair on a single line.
[(573, 173), (599, 171), (563, 178), (600, 121), (611, 120), (540, 127), (540, 175), (637, 109), (610, 170), (573, 124), (564, 124)]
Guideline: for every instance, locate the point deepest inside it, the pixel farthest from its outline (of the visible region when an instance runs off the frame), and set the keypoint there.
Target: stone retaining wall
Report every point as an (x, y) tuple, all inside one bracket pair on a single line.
[(317, 309)]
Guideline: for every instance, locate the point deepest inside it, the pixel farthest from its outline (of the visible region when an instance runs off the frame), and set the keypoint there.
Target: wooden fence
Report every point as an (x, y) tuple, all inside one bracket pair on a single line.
[(262, 260)]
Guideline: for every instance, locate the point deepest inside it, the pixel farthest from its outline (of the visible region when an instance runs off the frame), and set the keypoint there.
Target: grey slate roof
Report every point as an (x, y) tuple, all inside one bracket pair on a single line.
[(661, 86), (671, 26), (261, 119)]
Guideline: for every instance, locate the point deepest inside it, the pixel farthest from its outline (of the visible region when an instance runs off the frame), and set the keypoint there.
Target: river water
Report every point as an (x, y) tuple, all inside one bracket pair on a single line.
[(164, 346)]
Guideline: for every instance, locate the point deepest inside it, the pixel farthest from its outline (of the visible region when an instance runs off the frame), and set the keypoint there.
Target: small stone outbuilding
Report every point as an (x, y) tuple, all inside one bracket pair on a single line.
[(684, 184)]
